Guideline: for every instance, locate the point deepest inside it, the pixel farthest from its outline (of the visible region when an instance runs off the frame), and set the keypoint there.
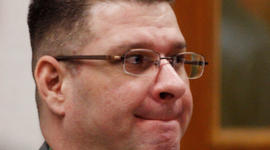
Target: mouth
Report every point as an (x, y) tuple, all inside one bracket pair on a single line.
[(161, 125), (155, 118)]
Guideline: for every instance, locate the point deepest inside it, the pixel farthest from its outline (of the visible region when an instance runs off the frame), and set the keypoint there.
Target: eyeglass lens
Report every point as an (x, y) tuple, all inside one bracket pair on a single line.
[(189, 63), (141, 62)]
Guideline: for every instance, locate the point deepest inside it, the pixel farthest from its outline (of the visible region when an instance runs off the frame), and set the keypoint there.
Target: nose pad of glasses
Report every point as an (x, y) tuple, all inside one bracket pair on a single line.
[(170, 60), (156, 63), (165, 95)]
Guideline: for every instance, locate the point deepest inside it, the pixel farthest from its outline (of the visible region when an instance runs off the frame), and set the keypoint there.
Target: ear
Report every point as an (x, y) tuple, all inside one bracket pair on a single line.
[(49, 81)]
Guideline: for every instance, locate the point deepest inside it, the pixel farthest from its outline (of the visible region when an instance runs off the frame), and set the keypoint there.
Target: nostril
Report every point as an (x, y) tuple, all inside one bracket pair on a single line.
[(166, 95)]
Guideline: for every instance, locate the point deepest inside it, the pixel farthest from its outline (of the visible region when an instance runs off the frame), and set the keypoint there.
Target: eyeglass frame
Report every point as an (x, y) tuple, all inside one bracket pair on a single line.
[(114, 58)]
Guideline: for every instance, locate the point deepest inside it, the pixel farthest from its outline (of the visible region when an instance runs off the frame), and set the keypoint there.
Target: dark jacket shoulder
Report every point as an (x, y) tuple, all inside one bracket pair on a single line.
[(45, 146)]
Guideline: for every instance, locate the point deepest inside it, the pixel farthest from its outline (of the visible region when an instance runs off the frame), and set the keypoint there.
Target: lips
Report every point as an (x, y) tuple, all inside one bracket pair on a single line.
[(154, 110), (162, 117)]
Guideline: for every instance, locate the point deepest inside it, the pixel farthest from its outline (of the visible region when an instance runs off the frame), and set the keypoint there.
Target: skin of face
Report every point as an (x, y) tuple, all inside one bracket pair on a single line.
[(108, 109)]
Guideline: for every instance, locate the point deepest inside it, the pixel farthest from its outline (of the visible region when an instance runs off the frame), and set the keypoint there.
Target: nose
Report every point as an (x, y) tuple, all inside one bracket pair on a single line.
[(168, 86)]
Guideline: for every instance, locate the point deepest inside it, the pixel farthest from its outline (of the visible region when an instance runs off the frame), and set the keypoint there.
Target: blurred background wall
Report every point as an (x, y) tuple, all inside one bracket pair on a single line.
[(245, 42), (19, 127)]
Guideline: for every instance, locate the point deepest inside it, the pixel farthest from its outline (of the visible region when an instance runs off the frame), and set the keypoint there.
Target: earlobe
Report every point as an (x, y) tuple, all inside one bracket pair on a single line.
[(49, 81)]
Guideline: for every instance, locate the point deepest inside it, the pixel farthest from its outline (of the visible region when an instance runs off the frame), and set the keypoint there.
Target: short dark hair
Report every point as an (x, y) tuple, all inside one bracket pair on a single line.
[(54, 25)]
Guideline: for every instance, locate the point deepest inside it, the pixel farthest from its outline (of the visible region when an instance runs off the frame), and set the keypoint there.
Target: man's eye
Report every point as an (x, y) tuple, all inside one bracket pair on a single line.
[(135, 59), (180, 59)]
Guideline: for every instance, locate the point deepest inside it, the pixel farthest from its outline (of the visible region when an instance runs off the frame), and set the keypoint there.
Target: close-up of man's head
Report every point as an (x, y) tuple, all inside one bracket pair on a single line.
[(111, 74)]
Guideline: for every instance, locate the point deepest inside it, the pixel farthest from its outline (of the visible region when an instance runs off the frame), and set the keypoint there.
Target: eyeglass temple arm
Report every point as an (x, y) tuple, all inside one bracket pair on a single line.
[(94, 57), (196, 62)]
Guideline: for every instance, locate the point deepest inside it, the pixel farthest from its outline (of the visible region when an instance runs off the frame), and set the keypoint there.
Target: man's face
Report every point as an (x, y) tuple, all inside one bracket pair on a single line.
[(110, 109)]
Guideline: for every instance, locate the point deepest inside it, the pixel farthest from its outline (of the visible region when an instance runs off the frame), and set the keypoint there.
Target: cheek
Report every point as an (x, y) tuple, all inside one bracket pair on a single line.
[(187, 110), (120, 101), (105, 106)]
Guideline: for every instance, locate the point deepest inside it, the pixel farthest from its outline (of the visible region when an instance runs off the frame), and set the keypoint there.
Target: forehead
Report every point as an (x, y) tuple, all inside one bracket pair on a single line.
[(120, 12), (126, 22)]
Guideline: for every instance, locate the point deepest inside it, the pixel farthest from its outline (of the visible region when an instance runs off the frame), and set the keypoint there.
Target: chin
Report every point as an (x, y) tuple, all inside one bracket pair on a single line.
[(175, 146), (159, 135), (165, 145)]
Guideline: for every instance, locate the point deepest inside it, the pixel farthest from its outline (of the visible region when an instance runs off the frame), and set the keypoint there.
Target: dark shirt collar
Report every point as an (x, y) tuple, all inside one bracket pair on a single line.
[(45, 146)]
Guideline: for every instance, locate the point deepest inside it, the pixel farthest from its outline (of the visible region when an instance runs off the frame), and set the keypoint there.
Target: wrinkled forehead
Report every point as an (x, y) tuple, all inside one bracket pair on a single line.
[(158, 14)]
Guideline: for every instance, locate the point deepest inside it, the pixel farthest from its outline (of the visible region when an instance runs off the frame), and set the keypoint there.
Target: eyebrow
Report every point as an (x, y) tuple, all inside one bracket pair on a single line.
[(178, 46), (119, 49)]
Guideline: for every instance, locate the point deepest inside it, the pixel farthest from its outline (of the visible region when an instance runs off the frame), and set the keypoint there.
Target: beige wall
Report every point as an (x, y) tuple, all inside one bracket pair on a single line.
[(19, 128)]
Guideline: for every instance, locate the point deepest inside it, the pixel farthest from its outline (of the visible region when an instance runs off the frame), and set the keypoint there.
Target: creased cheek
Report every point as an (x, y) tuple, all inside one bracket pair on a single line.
[(129, 93), (187, 111)]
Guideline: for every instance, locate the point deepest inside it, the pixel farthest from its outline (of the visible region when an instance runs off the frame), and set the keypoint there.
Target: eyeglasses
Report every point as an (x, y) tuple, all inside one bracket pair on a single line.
[(139, 62)]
